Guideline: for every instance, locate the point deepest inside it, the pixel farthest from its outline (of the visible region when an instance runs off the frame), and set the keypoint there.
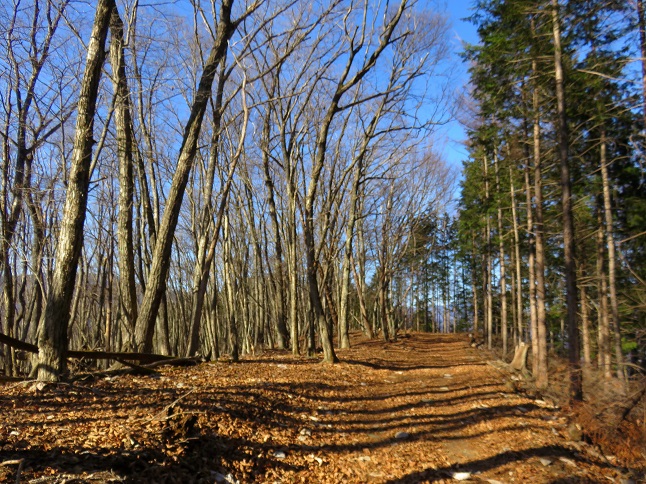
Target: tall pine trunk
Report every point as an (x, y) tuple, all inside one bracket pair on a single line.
[(576, 382), (612, 271), (517, 263), (503, 280)]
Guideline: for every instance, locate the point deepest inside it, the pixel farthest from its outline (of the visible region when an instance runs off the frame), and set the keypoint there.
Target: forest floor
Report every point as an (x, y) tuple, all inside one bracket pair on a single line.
[(428, 408)]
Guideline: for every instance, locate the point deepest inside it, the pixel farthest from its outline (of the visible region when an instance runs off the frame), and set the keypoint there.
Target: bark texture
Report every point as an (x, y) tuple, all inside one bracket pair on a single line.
[(52, 338)]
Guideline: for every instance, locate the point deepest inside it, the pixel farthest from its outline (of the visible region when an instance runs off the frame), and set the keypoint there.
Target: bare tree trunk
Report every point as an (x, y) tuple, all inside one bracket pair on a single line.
[(541, 370), (52, 339), (329, 356), (502, 264), (576, 389), (344, 338), (355, 203), (230, 288), (125, 140), (292, 260), (488, 263), (517, 263), (204, 254), (604, 359), (612, 258), (279, 293), (37, 264), (145, 325), (476, 310), (531, 267), (360, 278)]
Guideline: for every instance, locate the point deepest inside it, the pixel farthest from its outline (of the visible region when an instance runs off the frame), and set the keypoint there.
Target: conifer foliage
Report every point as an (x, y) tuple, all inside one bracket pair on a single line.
[(553, 180)]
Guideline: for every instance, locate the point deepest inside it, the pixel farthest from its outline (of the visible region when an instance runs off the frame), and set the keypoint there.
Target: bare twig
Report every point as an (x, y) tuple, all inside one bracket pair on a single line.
[(19, 463)]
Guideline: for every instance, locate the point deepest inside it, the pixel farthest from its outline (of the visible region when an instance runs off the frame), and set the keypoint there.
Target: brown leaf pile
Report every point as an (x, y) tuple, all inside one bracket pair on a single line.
[(425, 409)]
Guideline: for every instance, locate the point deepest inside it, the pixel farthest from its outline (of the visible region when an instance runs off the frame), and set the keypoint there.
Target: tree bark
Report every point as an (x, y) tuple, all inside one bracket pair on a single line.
[(52, 340), (145, 325), (585, 326), (603, 356), (612, 258), (488, 263), (502, 264), (517, 263), (541, 370), (576, 388), (279, 293), (531, 267), (125, 140)]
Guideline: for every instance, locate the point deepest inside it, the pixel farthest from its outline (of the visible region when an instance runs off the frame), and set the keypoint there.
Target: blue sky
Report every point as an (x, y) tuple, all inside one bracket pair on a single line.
[(451, 137)]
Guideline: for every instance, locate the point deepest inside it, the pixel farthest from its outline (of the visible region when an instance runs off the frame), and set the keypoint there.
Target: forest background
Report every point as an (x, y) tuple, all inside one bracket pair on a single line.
[(194, 178)]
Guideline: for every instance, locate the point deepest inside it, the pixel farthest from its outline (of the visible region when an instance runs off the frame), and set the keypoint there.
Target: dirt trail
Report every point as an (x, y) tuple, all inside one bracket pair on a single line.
[(425, 409)]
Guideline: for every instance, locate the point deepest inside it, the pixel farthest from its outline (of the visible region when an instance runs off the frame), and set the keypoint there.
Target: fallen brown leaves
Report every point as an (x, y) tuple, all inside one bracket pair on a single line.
[(425, 409)]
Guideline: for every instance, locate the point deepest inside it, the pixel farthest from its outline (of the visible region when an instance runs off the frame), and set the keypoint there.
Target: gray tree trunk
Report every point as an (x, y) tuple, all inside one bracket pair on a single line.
[(52, 338), (149, 308), (125, 149)]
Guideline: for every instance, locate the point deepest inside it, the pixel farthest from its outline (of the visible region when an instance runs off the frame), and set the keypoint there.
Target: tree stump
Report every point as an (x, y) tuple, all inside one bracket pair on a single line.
[(519, 363)]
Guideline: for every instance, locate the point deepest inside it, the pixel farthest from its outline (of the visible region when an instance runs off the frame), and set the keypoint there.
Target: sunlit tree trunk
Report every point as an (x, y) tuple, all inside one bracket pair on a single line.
[(145, 325), (502, 264), (531, 268), (52, 339), (279, 279), (125, 149), (540, 341), (603, 356), (612, 257), (517, 263), (488, 263)]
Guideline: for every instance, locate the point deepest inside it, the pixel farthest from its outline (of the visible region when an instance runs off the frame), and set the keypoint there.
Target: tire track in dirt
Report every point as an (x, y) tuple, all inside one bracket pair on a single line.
[(454, 414)]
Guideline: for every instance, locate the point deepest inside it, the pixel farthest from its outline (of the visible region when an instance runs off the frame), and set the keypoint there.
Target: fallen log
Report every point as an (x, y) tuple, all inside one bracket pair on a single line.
[(17, 344), (128, 368), (90, 355)]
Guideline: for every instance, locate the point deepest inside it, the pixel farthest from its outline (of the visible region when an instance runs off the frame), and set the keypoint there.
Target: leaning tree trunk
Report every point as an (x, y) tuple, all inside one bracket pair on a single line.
[(52, 339), (144, 328), (355, 203)]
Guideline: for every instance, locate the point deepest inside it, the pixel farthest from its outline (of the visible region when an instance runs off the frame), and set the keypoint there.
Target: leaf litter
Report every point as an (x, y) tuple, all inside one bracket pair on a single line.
[(386, 414)]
